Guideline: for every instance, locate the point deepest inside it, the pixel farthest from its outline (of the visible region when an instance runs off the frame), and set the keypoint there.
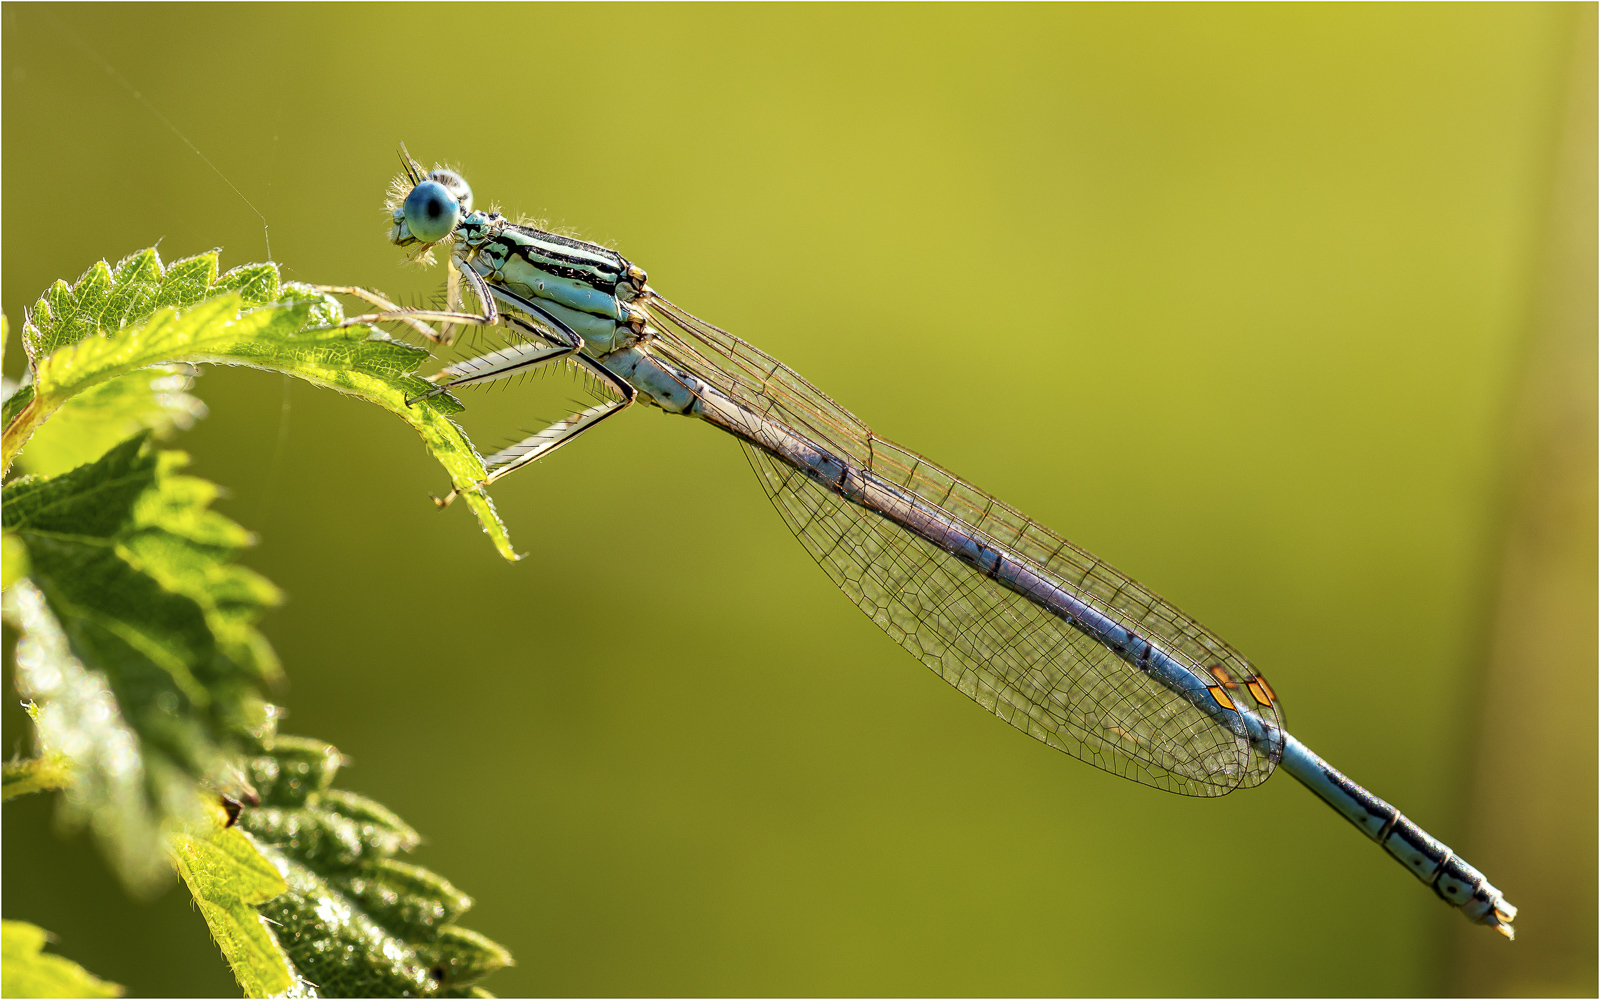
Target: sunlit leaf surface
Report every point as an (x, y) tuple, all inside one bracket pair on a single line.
[(229, 878), (27, 971), (44, 773), (88, 424)]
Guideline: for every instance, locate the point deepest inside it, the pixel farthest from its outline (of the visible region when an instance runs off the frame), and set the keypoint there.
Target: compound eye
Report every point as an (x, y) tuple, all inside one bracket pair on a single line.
[(431, 211), (456, 185)]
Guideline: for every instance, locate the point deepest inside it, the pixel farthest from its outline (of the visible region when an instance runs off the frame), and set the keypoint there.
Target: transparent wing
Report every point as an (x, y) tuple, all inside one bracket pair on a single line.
[(757, 380), (1011, 656)]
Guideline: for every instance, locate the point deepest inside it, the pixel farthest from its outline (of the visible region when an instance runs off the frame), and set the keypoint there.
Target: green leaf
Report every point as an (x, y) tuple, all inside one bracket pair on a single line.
[(212, 328), (254, 282), (16, 403), (90, 422), (78, 717), (26, 971), (83, 339), (229, 878), (382, 370), (36, 774), (356, 921), (13, 560), (105, 299), (138, 642)]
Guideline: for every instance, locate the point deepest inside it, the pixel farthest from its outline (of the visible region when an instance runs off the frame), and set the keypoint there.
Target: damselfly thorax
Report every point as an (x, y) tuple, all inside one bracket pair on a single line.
[(587, 287)]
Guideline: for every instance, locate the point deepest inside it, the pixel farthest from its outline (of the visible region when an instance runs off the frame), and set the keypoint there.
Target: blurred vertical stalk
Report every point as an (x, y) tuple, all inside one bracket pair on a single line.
[(1534, 743)]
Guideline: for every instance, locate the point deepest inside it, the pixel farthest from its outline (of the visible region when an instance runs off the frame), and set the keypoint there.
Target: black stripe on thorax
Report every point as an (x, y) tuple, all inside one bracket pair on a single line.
[(583, 253)]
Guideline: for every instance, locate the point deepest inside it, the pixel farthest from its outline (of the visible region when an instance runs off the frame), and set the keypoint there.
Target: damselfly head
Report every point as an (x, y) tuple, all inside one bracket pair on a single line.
[(427, 209)]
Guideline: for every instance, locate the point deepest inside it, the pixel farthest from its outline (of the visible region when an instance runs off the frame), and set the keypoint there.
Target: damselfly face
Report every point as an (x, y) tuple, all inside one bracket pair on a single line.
[(433, 206)]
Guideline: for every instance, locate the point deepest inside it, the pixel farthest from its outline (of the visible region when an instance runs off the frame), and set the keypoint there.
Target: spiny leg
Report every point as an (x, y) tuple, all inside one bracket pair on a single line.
[(397, 313), (504, 363), (517, 359), (530, 449), (512, 360), (389, 311)]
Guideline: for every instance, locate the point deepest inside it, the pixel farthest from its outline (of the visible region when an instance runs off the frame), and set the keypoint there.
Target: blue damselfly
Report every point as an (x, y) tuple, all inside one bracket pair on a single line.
[(1031, 627)]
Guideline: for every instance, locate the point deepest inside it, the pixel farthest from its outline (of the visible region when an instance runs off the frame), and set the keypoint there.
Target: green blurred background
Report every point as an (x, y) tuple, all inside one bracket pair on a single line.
[(1255, 302)]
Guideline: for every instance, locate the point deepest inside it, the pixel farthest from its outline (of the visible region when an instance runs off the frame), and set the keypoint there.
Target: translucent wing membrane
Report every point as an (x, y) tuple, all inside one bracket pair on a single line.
[(1015, 658), (757, 380)]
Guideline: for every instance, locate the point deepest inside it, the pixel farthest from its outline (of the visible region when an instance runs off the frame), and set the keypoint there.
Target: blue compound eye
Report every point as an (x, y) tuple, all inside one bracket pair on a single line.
[(431, 211)]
